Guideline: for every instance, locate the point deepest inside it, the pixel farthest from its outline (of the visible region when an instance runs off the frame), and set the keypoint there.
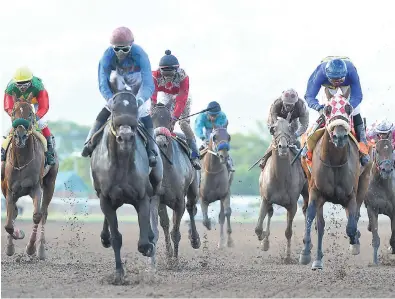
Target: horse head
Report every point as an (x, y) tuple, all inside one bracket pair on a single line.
[(383, 158), (219, 143), (281, 132), (124, 119), (338, 119), (23, 119), (161, 118)]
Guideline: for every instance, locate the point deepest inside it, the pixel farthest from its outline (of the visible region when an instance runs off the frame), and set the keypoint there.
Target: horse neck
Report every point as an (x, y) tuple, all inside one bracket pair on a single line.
[(280, 166), (212, 162), (22, 156), (332, 154), (122, 161), (169, 151)]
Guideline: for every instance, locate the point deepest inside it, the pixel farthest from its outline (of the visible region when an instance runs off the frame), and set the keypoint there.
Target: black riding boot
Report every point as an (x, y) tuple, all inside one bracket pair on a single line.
[(195, 159), (266, 156), (50, 154), (3, 154), (88, 146), (151, 146)]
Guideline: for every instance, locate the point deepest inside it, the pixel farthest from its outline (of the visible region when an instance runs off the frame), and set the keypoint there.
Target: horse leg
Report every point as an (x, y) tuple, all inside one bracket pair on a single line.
[(265, 242), (165, 223), (145, 247), (206, 220), (105, 234), (305, 255), (154, 226), (392, 240), (221, 221), (320, 222), (116, 237), (13, 234), (228, 213), (175, 232), (37, 216), (288, 232), (192, 198), (262, 214), (352, 223), (373, 223)]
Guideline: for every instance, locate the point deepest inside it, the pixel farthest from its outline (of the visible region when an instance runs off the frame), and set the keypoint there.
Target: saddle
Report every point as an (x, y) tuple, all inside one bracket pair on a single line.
[(37, 133), (95, 139), (180, 138)]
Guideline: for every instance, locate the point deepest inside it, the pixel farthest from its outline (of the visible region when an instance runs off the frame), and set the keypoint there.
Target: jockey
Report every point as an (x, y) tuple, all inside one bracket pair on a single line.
[(173, 81), (339, 73), (22, 85), (289, 102), (125, 66), (208, 120), (383, 129)]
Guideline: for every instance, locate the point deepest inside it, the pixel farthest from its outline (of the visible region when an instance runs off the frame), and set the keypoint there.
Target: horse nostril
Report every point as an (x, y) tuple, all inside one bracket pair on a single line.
[(119, 139), (280, 146)]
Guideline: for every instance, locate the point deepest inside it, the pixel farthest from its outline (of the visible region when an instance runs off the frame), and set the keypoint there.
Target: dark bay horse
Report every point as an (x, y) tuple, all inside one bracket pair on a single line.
[(380, 198), (24, 173), (337, 177), (280, 183), (216, 181), (121, 175), (180, 179)]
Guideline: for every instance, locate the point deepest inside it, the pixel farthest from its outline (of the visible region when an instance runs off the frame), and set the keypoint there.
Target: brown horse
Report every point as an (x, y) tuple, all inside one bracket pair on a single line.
[(337, 177), (281, 183), (216, 181), (380, 198), (24, 173)]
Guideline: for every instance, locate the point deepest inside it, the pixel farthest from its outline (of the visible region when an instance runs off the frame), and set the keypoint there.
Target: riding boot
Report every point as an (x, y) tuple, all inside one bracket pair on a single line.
[(3, 154), (88, 146), (151, 146), (50, 154), (195, 158), (266, 156), (229, 164), (363, 144)]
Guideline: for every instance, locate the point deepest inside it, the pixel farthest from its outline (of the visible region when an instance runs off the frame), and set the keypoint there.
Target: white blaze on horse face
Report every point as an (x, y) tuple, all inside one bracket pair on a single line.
[(21, 109), (126, 103)]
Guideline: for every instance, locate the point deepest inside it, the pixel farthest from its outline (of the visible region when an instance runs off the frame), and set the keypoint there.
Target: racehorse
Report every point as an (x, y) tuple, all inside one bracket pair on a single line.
[(216, 181), (24, 173), (380, 198), (281, 183), (121, 175), (336, 176), (180, 179)]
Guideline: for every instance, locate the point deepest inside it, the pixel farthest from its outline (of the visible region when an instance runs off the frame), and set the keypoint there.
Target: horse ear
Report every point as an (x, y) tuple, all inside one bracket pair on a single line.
[(289, 116), (29, 97), (348, 109), (327, 110), (271, 130)]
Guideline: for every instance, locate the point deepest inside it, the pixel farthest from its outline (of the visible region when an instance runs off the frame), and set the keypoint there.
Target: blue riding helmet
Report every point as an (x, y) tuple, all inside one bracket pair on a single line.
[(336, 69), (214, 107)]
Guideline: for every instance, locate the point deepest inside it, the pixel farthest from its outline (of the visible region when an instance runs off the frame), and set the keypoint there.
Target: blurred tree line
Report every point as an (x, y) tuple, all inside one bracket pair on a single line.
[(246, 148)]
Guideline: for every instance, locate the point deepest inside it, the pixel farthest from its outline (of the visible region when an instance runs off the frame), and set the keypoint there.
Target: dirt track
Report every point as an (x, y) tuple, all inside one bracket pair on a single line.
[(78, 266)]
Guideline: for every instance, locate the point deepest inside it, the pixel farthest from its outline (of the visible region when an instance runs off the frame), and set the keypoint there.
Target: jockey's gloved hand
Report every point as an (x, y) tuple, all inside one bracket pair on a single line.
[(318, 107), (139, 101)]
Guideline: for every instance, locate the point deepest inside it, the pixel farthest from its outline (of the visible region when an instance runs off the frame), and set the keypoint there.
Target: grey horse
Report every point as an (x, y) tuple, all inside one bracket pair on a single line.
[(280, 183), (380, 198), (121, 174), (216, 181), (180, 179)]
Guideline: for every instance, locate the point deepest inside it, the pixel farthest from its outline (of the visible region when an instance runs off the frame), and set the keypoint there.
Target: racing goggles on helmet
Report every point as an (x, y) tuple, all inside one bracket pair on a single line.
[(337, 81), (124, 49), (23, 85), (168, 71), (383, 135)]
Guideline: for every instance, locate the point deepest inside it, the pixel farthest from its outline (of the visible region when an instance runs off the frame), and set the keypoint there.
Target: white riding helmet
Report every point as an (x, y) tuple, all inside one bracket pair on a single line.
[(384, 126)]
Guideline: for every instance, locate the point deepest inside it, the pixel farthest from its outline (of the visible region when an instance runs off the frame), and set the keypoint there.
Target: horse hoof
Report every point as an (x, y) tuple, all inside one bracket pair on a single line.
[(230, 244), (10, 250), (304, 259), (265, 245), (147, 249), (31, 249), (317, 265), (221, 244), (41, 252), (259, 233), (105, 242), (119, 277), (195, 243), (207, 224), (355, 249)]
